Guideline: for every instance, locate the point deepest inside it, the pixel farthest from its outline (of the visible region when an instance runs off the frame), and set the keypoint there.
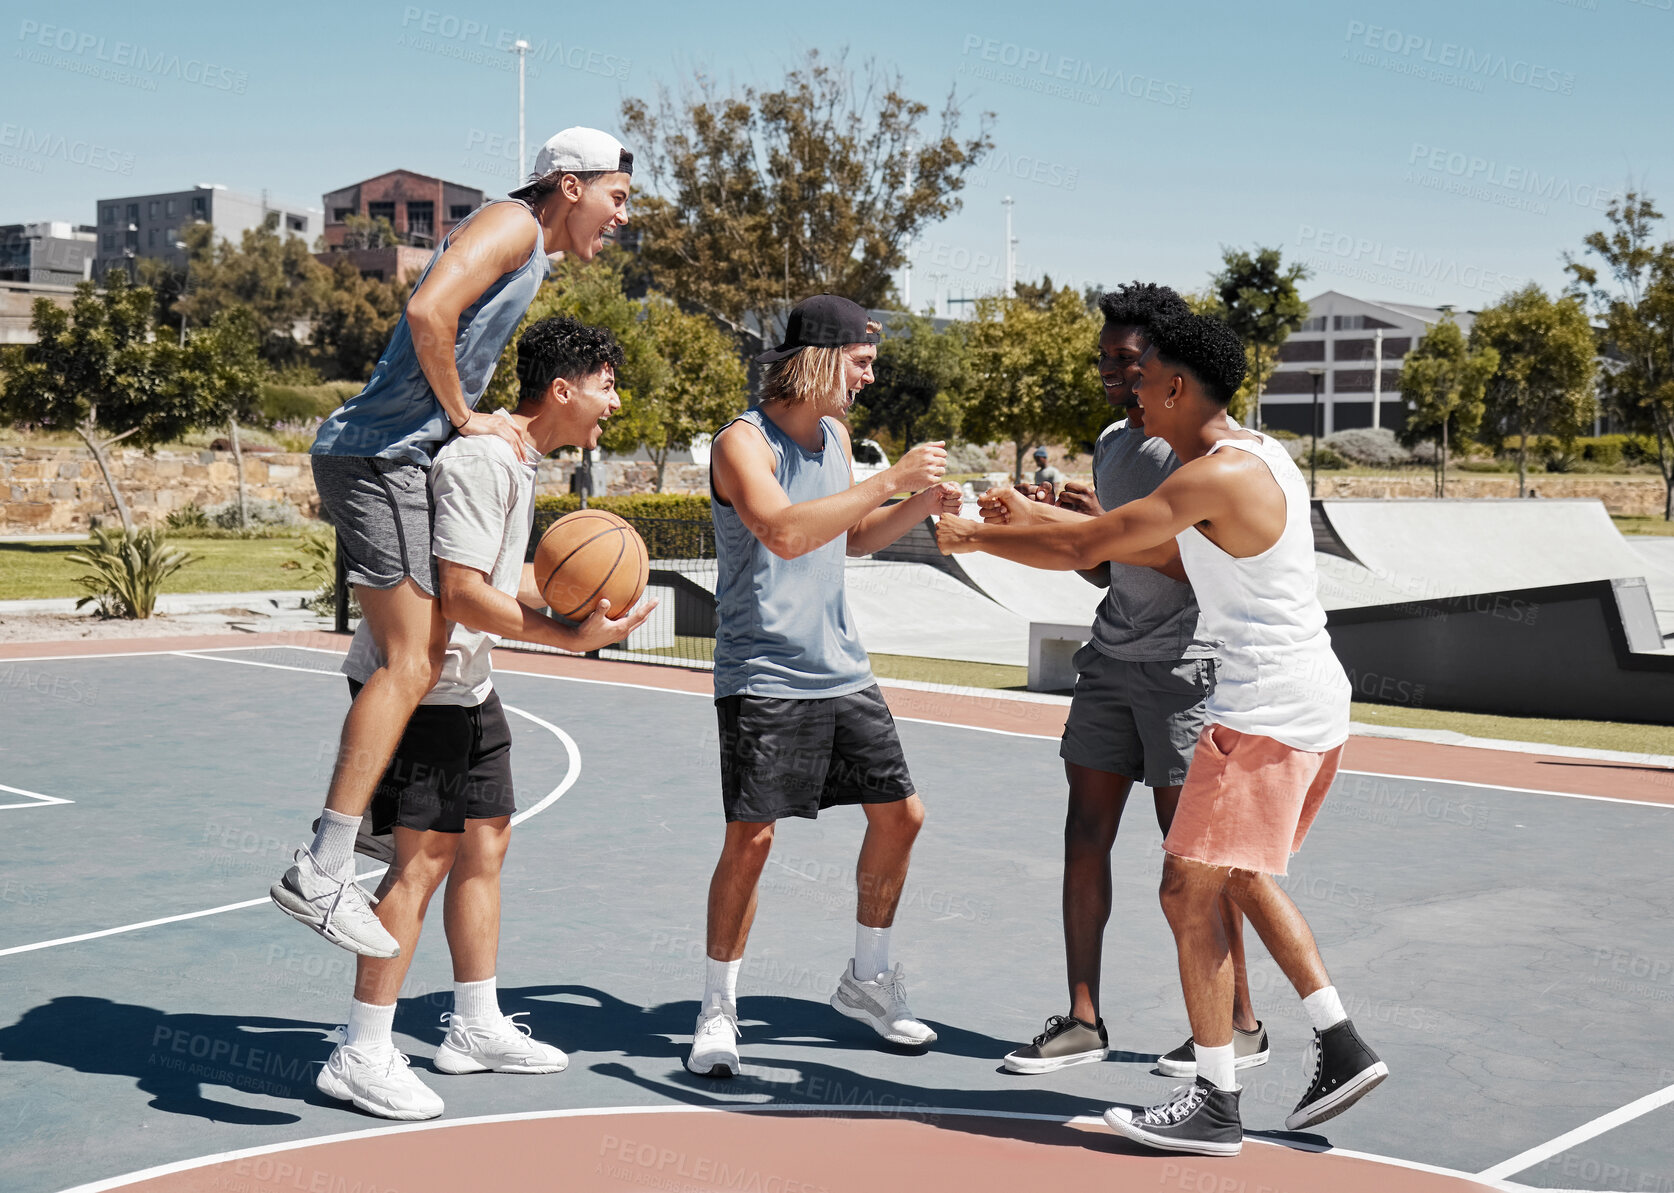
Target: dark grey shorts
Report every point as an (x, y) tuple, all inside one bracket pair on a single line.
[(381, 510), (796, 757), (1139, 720)]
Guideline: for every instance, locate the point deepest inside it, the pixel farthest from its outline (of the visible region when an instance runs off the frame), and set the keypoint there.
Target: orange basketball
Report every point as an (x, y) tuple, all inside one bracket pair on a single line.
[(588, 555)]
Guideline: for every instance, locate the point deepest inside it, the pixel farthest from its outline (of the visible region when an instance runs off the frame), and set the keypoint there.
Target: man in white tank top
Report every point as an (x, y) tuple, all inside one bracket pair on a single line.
[(1236, 516)]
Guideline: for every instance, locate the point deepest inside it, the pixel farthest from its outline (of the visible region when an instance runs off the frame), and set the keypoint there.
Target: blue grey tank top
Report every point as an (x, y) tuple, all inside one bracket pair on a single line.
[(784, 626), (397, 416)]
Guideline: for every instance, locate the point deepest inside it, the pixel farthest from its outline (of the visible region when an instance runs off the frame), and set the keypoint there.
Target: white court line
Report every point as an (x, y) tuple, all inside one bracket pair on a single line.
[(814, 1110), (1586, 1131), (36, 799), (571, 775)]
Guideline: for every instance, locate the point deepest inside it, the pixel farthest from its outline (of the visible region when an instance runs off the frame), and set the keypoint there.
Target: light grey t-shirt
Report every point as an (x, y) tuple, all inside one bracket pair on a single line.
[(1145, 616), (484, 499)]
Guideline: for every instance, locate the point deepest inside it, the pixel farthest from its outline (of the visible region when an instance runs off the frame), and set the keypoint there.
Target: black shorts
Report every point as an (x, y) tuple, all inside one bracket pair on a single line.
[(453, 765), (784, 757)]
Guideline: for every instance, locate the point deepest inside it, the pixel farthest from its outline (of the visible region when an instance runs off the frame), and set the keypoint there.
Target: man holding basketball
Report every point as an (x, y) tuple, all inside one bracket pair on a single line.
[(803, 726), (371, 458), (447, 792), (1138, 705), (1238, 522)]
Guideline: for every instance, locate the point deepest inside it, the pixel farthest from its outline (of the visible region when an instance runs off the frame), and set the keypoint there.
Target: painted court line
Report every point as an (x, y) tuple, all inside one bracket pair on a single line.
[(36, 799), (814, 1109), (1586, 1131)]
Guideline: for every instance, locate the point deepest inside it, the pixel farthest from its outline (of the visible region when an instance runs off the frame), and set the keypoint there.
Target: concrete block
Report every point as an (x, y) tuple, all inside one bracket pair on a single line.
[(1052, 647)]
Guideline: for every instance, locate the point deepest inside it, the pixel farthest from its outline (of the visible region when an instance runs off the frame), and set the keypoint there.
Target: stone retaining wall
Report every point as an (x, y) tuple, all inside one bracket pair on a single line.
[(53, 489)]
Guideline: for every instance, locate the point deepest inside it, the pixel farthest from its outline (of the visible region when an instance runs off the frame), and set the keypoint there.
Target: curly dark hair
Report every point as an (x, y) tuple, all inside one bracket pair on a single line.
[(559, 346), (1140, 304), (1205, 347)]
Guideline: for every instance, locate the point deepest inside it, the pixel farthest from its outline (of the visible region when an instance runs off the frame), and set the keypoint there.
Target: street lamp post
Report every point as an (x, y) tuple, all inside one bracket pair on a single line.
[(522, 49), (1313, 435), (185, 280)]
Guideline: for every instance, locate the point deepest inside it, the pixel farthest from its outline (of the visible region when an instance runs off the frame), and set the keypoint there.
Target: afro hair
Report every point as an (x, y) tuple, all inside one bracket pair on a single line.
[(1140, 304), (1206, 348), (559, 346)]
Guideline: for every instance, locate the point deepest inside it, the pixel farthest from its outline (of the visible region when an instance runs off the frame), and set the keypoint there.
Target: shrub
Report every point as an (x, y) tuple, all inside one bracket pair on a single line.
[(128, 571), (1280, 433), (673, 525), (300, 403), (1322, 457), (262, 512), (1373, 448), (189, 518), (319, 572), (968, 457), (1489, 465)]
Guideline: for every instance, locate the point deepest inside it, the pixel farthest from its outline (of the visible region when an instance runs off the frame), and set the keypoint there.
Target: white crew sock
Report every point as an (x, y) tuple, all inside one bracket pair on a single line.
[(334, 842), (871, 952), (1324, 1008), (368, 1028), (720, 983), (476, 1002), (1216, 1065)]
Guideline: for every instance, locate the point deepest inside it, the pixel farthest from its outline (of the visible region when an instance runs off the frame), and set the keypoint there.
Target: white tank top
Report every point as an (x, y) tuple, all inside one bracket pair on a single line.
[(1277, 675)]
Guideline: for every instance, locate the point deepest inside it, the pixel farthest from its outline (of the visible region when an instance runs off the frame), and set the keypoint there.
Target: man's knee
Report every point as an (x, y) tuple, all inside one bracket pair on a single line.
[(484, 848), (1188, 889), (748, 843), (424, 869)]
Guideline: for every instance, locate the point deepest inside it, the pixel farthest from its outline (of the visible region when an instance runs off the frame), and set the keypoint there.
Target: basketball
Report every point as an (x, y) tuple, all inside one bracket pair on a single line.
[(589, 555)]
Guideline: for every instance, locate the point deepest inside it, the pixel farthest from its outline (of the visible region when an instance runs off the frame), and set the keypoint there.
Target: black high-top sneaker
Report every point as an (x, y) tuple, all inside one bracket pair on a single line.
[(1200, 1118), (1345, 1070)]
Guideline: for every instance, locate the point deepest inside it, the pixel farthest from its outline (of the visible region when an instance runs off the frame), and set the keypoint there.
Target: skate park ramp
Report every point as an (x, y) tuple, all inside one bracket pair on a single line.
[(911, 609)]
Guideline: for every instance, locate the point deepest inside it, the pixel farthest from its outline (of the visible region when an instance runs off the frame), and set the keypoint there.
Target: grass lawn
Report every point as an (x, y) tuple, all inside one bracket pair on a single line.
[(30, 571), (1629, 525), (1594, 735)]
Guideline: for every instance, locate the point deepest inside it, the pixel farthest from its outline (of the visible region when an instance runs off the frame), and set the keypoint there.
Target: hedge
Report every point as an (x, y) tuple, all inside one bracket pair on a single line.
[(673, 525)]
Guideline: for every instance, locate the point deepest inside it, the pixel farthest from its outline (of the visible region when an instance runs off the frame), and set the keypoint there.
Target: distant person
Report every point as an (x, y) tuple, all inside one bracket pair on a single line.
[(448, 791), (803, 726), (1140, 687), (1239, 522), (1045, 474), (371, 458)]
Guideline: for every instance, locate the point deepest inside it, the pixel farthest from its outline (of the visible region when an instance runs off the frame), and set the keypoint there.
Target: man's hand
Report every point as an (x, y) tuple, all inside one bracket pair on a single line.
[(1040, 493), (601, 629), (477, 423), (956, 536), (1009, 507), (1080, 498), (920, 468), (942, 499)]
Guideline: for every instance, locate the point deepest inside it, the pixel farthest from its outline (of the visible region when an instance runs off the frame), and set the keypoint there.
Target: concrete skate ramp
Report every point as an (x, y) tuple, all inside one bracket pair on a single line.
[(1416, 550), (912, 609)]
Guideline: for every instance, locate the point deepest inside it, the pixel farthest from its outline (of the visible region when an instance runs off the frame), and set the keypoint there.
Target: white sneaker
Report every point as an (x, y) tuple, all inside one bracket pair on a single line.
[(715, 1043), (334, 907), (379, 1083), (500, 1046), (882, 1003)]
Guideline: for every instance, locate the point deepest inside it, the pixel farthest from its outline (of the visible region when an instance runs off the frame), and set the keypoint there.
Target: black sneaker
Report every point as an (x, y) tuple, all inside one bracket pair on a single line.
[(1249, 1048), (1199, 1118), (1345, 1070), (1066, 1041)]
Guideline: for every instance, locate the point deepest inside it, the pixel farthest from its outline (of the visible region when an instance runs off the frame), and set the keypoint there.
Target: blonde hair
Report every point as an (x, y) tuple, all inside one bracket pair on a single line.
[(807, 373)]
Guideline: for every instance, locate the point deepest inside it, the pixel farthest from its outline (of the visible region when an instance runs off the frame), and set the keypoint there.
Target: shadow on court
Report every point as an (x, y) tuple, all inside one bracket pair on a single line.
[(175, 1057)]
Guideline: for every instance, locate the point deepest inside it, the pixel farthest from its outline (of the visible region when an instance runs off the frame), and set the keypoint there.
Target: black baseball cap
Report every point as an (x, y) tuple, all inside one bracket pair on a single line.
[(823, 321)]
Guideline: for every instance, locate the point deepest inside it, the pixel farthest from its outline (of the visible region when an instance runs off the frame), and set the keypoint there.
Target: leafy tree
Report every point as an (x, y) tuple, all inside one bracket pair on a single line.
[(355, 319), (279, 281), (920, 382), (759, 197), (1031, 372), (219, 368), (98, 370), (1443, 381), (1634, 296), (1544, 382), (1256, 294), (364, 232)]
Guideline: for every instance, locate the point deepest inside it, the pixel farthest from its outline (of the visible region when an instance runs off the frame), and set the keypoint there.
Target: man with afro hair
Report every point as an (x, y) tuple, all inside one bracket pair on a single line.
[(1138, 707), (1236, 517)]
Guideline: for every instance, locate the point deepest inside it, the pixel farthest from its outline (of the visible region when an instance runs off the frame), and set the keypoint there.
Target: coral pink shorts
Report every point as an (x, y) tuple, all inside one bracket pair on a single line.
[(1248, 801)]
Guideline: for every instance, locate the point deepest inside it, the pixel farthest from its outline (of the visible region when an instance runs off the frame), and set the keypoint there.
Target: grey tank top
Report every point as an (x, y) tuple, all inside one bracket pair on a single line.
[(397, 416), (784, 626)]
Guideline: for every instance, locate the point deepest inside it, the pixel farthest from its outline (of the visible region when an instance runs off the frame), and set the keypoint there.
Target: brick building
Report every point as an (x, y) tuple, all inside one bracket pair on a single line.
[(421, 209)]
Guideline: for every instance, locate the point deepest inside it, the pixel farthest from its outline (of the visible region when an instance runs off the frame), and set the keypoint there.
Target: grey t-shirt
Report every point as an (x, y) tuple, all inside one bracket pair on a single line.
[(1048, 476), (484, 500), (1145, 616)]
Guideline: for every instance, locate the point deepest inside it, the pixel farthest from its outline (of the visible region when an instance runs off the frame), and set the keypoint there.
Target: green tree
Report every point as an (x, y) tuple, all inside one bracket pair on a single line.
[(1544, 382), (364, 232), (220, 370), (919, 389), (99, 371), (1443, 381), (278, 280), (760, 197), (1634, 297), (355, 320), (1256, 294), (1031, 373)]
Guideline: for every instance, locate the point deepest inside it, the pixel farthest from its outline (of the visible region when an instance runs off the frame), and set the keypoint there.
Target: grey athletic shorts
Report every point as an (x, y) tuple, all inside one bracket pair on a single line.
[(382, 512), (1138, 720)]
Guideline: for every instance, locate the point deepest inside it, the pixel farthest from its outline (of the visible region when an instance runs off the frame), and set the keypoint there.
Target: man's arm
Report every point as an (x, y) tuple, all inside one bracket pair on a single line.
[(883, 526), (469, 598), (744, 475), (1139, 532)]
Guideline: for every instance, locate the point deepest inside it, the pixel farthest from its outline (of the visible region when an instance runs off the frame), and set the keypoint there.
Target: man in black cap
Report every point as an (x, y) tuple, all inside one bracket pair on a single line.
[(803, 726)]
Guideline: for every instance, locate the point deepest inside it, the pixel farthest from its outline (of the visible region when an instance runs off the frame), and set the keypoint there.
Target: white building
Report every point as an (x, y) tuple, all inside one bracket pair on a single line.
[(1357, 346), (152, 225)]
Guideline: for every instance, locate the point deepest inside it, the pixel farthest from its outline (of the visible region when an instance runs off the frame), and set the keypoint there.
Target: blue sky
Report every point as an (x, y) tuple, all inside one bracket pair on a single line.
[(1423, 151)]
